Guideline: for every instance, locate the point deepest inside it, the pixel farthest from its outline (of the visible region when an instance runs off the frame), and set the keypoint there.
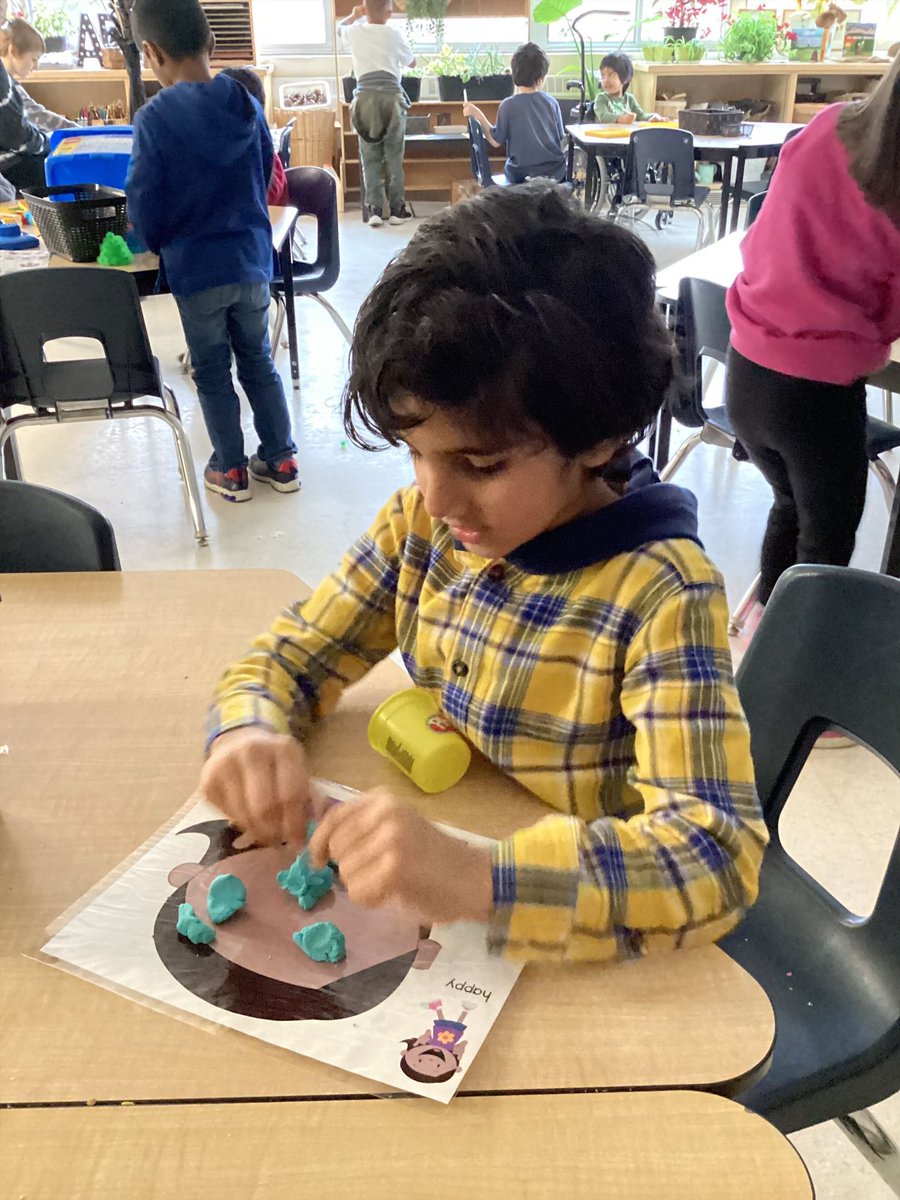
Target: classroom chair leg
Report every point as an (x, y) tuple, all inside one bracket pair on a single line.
[(886, 479), (738, 618), (875, 1143), (887, 398)]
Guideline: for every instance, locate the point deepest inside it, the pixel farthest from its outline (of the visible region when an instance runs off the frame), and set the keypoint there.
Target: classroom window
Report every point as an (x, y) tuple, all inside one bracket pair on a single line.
[(284, 27), (506, 33), (610, 22)]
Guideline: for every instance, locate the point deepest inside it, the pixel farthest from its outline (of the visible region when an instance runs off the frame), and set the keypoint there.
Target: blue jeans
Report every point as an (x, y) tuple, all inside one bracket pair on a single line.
[(216, 322)]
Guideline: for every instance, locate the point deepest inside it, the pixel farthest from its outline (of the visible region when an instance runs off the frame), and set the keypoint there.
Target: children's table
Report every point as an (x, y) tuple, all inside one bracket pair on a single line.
[(670, 1145), (106, 680)]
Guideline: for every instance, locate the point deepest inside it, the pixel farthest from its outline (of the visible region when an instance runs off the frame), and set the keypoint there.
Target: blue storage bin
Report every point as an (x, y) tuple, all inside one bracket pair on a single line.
[(97, 155)]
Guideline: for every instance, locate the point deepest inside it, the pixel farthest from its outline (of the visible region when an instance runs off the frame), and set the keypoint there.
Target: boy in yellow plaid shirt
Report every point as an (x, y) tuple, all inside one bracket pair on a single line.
[(571, 627)]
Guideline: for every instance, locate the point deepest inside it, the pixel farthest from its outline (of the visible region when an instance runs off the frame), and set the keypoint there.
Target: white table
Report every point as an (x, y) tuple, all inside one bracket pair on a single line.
[(764, 141)]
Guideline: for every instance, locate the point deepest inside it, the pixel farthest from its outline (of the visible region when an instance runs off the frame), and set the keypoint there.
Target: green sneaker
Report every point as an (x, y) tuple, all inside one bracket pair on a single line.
[(283, 477)]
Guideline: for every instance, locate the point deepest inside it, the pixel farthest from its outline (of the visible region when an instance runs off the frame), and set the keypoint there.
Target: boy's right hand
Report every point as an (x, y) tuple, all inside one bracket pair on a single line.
[(625, 119), (260, 781)]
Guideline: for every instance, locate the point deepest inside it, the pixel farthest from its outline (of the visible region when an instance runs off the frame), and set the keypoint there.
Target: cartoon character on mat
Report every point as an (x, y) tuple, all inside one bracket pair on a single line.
[(434, 1056), (254, 968)]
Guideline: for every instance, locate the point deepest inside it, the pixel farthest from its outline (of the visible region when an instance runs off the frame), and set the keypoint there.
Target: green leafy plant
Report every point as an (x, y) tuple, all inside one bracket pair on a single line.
[(449, 63), (750, 37), (487, 62), (431, 13), (688, 51), (51, 22)]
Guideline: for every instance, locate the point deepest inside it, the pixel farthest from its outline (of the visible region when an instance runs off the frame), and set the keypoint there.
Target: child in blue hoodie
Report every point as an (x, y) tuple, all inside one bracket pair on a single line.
[(197, 197)]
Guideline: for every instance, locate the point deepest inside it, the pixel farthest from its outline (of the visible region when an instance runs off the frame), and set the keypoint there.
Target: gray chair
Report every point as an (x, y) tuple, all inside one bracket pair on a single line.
[(826, 654), (40, 306), (667, 155), (45, 530)]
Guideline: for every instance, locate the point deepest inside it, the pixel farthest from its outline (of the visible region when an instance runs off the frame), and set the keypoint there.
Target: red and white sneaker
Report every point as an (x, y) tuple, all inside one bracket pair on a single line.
[(283, 476), (233, 484)]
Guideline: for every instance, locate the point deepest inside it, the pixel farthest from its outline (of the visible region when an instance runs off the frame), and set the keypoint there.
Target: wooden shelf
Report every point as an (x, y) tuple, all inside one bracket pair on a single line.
[(729, 81), (68, 91)]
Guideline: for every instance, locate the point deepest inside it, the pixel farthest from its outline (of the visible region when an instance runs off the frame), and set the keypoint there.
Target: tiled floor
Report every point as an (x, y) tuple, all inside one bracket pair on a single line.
[(128, 470)]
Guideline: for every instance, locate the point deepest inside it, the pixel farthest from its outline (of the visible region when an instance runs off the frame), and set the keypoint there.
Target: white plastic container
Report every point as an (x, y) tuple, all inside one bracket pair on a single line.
[(305, 93)]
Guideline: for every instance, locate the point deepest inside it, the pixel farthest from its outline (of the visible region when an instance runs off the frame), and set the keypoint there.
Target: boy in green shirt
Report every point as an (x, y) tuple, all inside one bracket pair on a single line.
[(615, 105)]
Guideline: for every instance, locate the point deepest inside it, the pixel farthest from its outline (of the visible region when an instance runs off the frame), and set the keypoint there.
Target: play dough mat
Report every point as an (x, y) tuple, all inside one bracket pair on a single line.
[(389, 999)]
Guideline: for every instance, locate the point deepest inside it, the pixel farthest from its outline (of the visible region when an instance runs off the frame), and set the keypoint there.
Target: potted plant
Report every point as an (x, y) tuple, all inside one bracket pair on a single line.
[(688, 51), (658, 52), (54, 26), (431, 13), (686, 16), (451, 69), (750, 37), (489, 77)]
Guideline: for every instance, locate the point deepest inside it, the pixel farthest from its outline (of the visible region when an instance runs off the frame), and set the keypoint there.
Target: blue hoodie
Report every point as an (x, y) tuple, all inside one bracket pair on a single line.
[(197, 185)]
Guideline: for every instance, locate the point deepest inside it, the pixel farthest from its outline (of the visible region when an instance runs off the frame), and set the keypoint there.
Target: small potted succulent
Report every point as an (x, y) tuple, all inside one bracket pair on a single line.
[(688, 51)]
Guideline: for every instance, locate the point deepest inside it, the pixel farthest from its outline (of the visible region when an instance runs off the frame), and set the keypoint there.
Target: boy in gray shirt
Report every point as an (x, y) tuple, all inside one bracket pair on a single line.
[(529, 124)]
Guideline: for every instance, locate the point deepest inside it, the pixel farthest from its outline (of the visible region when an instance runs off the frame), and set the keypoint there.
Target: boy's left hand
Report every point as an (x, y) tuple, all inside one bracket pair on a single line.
[(388, 853)]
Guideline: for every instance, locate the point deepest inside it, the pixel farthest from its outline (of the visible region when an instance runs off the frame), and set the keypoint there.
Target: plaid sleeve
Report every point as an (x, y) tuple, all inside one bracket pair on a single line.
[(296, 672), (681, 871)]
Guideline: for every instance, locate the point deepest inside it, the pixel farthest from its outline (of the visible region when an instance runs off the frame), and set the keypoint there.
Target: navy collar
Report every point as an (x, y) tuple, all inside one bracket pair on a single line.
[(653, 513)]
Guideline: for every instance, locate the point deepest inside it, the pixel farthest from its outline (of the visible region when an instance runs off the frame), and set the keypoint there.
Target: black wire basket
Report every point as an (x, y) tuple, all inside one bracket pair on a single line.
[(74, 218)]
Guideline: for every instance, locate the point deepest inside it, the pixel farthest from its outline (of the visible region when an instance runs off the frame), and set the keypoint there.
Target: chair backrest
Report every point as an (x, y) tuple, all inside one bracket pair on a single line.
[(754, 204), (671, 148), (704, 331), (44, 530), (39, 306), (284, 143), (313, 192), (481, 160), (827, 653)]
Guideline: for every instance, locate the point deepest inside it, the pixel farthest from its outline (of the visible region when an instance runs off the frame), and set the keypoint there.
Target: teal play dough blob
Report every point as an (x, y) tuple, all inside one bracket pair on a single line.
[(191, 927), (226, 895), (307, 884), (322, 942)]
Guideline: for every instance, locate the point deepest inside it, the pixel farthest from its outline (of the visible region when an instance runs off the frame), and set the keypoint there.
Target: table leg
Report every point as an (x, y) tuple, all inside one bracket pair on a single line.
[(287, 275), (12, 468), (570, 160), (726, 194), (736, 194), (890, 564), (663, 437)]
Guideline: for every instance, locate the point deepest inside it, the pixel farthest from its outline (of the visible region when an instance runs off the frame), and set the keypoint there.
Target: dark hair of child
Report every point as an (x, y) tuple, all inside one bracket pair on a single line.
[(622, 65), (529, 64), (248, 79), (870, 131), (418, 1076), (523, 312), (178, 27)]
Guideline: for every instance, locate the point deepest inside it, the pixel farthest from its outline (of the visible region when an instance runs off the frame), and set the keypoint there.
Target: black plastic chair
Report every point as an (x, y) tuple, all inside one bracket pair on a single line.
[(45, 530), (40, 306), (284, 143), (481, 158), (669, 155), (313, 193), (754, 204), (826, 654)]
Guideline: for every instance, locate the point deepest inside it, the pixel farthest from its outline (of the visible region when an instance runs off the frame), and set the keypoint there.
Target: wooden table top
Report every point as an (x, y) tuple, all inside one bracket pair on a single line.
[(719, 263), (764, 134), (631, 1146), (106, 679)]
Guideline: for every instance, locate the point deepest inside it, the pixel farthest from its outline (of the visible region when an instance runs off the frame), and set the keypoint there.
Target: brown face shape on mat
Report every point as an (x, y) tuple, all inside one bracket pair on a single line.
[(259, 936)]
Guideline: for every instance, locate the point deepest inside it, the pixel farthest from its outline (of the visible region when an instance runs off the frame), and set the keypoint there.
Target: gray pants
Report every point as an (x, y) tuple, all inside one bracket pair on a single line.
[(380, 120)]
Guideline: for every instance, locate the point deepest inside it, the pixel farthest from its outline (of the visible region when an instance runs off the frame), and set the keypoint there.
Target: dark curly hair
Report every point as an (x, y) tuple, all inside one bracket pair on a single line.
[(529, 64), (524, 312)]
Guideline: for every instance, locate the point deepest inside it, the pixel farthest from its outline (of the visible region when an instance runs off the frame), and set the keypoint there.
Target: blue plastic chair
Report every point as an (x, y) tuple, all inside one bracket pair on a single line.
[(313, 193), (481, 158), (670, 154)]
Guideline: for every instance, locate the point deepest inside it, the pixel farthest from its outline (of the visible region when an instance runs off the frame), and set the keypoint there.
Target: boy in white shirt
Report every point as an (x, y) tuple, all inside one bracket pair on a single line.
[(378, 111)]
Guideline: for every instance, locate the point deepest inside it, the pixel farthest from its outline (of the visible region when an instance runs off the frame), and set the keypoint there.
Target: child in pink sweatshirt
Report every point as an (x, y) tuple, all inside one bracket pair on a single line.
[(813, 313)]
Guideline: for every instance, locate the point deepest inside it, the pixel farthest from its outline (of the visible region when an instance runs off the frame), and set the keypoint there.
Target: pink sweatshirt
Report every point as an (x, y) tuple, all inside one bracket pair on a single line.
[(819, 295)]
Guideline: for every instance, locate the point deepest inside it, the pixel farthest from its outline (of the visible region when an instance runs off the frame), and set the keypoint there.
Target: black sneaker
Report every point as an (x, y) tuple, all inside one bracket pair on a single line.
[(399, 216), (373, 217), (283, 477), (233, 484)]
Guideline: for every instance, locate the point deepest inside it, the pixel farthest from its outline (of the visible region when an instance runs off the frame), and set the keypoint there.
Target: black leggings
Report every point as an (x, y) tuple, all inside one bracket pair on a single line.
[(809, 441), (25, 171)]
